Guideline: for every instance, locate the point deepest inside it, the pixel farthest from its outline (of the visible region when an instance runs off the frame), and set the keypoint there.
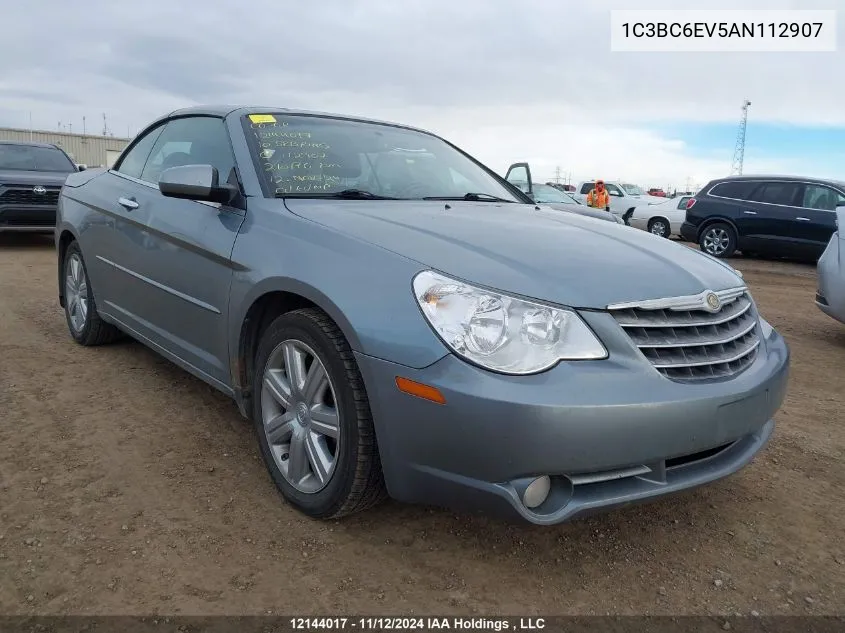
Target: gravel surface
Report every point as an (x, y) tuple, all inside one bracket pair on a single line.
[(129, 487)]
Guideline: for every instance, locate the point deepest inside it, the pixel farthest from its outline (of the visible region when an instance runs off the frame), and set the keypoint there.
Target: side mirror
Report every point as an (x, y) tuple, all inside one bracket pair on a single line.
[(81, 167), (195, 182)]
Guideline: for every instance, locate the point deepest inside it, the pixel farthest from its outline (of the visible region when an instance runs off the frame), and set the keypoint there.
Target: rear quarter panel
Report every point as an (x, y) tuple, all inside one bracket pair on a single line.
[(708, 209)]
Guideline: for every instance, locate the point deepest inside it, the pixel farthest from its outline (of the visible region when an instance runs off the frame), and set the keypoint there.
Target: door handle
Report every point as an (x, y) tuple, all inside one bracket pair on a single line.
[(128, 203), (803, 219), (750, 212)]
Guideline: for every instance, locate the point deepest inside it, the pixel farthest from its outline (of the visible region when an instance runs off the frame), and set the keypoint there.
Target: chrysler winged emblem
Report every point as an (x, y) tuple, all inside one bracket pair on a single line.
[(713, 301), (39, 190)]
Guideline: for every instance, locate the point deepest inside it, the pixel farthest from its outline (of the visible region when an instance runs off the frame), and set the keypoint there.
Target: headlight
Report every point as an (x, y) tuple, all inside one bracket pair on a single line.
[(502, 333)]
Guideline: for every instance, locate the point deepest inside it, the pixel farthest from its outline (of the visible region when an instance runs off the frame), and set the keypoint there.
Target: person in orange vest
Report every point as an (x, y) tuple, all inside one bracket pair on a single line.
[(598, 198)]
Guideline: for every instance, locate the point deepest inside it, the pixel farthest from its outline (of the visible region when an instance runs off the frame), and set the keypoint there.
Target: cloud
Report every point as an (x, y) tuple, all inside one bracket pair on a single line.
[(534, 79)]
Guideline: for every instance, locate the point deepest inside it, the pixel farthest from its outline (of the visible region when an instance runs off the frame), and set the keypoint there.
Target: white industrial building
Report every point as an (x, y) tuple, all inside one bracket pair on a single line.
[(85, 149)]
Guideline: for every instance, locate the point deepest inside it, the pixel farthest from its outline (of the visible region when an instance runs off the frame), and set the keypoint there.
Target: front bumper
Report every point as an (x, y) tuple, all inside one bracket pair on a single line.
[(28, 218), (830, 297), (585, 424)]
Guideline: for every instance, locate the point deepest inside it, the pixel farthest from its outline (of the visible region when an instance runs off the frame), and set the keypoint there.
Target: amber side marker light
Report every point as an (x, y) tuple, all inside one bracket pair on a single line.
[(426, 392)]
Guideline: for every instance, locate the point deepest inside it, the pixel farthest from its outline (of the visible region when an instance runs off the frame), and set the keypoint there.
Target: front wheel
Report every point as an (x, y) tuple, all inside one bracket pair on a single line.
[(659, 227), (313, 419), (85, 325), (718, 240)]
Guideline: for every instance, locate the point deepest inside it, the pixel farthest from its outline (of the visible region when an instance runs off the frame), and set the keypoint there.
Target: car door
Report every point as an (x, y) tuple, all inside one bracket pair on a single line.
[(519, 175), (183, 269), (815, 221), (766, 221), (113, 257), (618, 200)]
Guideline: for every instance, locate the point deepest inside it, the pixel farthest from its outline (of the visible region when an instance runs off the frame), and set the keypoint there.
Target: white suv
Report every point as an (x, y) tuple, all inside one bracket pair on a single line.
[(624, 197)]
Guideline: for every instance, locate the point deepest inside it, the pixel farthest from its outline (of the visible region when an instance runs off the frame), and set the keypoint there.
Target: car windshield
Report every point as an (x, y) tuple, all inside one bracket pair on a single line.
[(633, 190), (314, 157), (546, 194), (34, 158)]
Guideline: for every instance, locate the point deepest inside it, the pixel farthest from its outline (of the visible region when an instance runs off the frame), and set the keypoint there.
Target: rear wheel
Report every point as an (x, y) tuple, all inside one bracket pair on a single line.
[(718, 240), (313, 419), (659, 227), (85, 325)]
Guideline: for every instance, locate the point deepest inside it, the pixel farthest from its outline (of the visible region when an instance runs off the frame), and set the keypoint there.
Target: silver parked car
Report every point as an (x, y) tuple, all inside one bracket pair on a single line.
[(663, 219), (397, 319), (519, 175), (830, 296)]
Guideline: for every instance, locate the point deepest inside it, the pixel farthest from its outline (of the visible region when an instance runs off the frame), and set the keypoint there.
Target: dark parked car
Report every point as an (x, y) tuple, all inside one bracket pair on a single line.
[(31, 175), (396, 318), (782, 216)]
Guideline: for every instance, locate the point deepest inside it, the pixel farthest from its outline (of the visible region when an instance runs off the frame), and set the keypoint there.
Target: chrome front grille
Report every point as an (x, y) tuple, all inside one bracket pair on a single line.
[(687, 341)]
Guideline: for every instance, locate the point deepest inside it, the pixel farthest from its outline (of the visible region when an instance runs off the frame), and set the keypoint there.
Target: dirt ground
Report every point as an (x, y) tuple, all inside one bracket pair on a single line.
[(129, 487)]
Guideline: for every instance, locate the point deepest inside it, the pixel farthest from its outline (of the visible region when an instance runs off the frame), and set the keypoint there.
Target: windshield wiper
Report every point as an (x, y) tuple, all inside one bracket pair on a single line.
[(471, 196), (347, 194)]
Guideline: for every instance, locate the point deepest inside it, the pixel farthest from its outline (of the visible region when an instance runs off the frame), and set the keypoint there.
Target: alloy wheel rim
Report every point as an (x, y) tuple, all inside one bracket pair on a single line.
[(658, 228), (716, 241), (300, 416), (76, 293)]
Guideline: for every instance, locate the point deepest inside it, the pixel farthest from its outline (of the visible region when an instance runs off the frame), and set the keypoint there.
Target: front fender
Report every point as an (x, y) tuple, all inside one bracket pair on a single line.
[(365, 289)]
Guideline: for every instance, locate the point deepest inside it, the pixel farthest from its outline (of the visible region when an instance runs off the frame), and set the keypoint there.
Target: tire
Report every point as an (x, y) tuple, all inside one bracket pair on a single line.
[(83, 321), (718, 240), (659, 227), (294, 438)]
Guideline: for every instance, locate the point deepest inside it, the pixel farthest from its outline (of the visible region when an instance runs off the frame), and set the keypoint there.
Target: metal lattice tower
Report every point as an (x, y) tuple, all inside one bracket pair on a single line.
[(739, 150)]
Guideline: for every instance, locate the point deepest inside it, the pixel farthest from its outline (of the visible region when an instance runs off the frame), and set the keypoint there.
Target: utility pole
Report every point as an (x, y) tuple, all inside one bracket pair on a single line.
[(84, 129), (105, 125), (739, 150)]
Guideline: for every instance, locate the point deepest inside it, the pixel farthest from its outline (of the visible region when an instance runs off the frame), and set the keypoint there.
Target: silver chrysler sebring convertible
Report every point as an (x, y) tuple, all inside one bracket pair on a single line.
[(396, 319)]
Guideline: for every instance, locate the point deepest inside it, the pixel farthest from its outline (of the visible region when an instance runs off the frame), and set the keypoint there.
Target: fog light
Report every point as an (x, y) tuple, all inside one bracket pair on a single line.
[(537, 492)]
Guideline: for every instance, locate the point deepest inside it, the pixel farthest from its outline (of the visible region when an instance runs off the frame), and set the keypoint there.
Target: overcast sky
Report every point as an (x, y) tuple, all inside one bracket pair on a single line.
[(508, 81)]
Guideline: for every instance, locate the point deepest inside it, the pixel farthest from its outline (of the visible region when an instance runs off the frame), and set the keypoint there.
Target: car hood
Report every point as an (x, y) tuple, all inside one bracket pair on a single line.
[(21, 177), (538, 253)]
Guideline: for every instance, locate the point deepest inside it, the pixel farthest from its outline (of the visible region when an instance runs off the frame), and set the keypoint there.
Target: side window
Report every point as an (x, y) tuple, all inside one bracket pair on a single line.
[(822, 198), (198, 140), (682, 204), (132, 163), (586, 188), (613, 190), (736, 190), (782, 193)]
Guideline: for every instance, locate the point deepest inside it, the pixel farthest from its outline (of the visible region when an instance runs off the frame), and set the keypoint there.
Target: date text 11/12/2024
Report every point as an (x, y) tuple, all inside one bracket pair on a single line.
[(417, 624)]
